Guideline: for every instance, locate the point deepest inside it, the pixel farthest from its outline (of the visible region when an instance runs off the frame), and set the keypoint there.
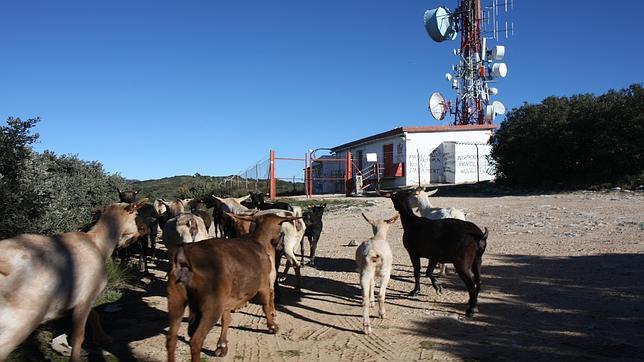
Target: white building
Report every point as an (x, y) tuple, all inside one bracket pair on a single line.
[(435, 154)]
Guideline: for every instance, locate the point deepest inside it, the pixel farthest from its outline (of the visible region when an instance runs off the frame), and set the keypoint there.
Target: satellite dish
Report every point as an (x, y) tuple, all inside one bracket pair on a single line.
[(437, 106), (499, 108), (493, 91), (440, 24), (498, 52), (500, 70), (489, 113), (448, 77)]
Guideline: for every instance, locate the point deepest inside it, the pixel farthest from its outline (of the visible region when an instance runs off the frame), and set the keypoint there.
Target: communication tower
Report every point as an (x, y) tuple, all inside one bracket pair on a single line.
[(478, 66)]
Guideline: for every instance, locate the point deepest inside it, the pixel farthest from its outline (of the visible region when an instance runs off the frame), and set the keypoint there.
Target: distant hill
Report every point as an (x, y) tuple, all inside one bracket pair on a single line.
[(174, 187)]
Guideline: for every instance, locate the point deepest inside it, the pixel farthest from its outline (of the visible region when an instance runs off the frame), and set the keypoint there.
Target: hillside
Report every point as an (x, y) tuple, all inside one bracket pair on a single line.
[(197, 186)]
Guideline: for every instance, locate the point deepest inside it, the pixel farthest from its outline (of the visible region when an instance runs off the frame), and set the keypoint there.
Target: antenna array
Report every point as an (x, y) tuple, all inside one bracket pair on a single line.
[(478, 66)]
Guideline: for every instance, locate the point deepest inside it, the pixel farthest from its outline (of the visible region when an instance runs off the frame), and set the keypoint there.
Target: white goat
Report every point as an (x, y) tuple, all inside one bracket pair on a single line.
[(233, 205), (42, 277), (175, 208), (374, 260), (184, 228), (420, 200)]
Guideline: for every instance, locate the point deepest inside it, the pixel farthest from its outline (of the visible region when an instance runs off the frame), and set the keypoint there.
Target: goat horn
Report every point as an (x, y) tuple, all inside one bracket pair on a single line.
[(392, 220), (430, 193)]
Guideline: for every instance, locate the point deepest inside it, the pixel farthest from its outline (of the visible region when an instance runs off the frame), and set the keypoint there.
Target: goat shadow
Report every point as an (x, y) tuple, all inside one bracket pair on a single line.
[(572, 308)]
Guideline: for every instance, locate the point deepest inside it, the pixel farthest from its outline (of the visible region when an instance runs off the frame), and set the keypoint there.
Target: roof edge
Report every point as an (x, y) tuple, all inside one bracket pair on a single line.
[(414, 129)]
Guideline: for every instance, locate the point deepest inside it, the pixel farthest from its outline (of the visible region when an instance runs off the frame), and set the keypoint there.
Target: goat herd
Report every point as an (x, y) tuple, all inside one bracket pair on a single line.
[(218, 262)]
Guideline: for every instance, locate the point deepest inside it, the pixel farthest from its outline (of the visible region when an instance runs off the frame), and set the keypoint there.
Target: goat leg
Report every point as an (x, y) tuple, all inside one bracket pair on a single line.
[(372, 287), (302, 250), (282, 277), (79, 318), (432, 266), (266, 300), (366, 279), (209, 317), (382, 292), (466, 275), (313, 245), (222, 343), (415, 261)]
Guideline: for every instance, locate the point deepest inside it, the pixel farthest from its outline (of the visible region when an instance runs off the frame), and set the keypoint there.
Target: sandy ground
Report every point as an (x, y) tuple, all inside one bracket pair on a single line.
[(562, 279)]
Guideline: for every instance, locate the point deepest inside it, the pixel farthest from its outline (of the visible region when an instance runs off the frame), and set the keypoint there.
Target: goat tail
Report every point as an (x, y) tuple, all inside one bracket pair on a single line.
[(374, 257), (181, 267), (482, 244)]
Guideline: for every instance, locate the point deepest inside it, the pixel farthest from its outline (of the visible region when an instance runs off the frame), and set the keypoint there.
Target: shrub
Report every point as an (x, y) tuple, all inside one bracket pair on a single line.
[(573, 142)]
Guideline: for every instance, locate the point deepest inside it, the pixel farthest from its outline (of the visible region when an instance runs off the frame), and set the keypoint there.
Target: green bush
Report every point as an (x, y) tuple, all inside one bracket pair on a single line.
[(573, 142), (43, 192)]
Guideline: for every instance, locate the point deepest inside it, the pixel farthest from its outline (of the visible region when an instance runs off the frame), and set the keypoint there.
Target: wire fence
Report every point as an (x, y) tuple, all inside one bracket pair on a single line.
[(256, 178)]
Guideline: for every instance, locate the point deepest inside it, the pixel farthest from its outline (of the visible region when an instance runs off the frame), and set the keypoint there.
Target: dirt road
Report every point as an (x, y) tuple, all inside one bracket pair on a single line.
[(562, 279)]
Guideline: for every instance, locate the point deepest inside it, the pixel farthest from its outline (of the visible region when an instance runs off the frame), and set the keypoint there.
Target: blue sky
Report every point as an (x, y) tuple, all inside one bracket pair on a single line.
[(158, 88)]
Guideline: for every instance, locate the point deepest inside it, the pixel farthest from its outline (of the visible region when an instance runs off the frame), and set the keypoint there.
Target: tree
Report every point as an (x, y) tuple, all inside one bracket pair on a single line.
[(43, 192), (573, 142)]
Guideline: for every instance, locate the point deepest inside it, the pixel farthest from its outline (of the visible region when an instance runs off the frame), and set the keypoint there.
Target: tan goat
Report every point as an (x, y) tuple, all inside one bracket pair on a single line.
[(42, 277), (374, 259)]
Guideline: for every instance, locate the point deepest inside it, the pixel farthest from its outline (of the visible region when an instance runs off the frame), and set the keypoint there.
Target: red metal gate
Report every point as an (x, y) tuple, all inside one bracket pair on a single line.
[(272, 189)]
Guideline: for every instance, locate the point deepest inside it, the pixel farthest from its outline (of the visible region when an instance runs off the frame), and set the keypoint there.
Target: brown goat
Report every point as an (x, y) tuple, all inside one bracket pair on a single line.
[(215, 276), (42, 277)]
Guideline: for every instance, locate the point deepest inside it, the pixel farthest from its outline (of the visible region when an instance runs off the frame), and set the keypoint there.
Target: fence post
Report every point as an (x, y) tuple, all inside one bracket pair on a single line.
[(272, 182), (348, 175), (306, 175)]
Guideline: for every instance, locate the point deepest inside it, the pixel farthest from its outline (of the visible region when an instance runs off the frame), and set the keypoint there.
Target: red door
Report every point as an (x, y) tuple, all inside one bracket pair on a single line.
[(388, 159)]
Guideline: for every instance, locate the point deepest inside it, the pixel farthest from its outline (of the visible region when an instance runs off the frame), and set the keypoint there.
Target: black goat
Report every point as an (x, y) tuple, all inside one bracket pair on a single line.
[(257, 201), (147, 215), (127, 196), (218, 219), (446, 241), (313, 221)]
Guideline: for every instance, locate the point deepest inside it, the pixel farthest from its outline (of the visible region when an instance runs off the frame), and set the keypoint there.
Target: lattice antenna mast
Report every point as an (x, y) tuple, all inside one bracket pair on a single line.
[(478, 66)]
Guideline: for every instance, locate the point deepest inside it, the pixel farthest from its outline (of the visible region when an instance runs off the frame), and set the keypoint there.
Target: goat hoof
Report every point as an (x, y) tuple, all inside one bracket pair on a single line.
[(221, 351), (413, 292), (382, 314), (439, 289), (367, 329), (311, 263), (273, 329), (471, 311)]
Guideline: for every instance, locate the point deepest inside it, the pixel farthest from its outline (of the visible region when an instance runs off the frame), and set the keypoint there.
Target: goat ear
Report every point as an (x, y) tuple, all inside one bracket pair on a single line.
[(118, 190), (393, 219), (131, 208)]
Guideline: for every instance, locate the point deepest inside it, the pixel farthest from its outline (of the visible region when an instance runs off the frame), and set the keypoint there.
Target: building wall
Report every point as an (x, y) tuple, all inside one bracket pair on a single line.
[(428, 147), (443, 159), (376, 147), (460, 162)]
